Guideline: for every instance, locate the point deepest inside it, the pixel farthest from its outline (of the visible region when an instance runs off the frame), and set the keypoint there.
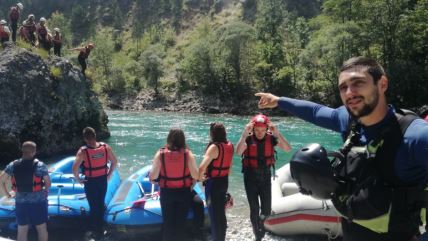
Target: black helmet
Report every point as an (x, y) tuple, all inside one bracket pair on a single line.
[(312, 171)]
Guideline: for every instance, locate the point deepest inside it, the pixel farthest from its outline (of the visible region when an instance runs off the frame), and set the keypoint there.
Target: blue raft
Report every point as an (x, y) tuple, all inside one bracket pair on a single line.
[(135, 208), (67, 203)]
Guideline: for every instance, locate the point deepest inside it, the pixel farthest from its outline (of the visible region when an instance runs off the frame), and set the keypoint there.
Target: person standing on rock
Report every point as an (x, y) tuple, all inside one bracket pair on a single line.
[(43, 35), (30, 29), (215, 169), (257, 145), (57, 42), (174, 166), (30, 182), (94, 158), (4, 32), (14, 14), (83, 55)]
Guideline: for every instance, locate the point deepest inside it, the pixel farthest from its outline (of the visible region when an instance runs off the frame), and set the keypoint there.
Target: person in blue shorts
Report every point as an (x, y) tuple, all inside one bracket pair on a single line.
[(385, 201), (30, 182)]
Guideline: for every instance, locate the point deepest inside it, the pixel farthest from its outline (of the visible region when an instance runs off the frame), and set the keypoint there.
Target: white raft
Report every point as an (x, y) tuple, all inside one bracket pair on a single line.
[(294, 213)]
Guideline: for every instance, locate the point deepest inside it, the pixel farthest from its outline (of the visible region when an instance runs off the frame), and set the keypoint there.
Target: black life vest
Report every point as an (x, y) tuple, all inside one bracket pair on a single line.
[(174, 172), (371, 193), (252, 159), (24, 178), (220, 166)]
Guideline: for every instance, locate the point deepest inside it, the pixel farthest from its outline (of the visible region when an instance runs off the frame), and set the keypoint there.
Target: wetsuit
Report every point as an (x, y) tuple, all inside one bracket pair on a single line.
[(216, 187), (410, 164), (83, 55), (14, 18), (95, 170), (57, 43), (257, 184)]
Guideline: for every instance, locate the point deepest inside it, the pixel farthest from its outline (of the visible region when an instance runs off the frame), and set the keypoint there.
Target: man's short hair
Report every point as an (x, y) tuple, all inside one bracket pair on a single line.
[(89, 133), (29, 146), (371, 66)]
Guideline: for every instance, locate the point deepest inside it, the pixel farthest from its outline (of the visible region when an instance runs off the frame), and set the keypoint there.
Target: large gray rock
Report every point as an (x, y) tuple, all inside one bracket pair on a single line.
[(48, 102)]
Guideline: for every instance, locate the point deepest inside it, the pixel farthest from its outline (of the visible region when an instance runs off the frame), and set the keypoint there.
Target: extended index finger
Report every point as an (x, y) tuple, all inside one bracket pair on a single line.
[(260, 94)]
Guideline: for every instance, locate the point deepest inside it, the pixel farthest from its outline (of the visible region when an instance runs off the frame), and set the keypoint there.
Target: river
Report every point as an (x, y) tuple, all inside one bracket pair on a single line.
[(136, 136)]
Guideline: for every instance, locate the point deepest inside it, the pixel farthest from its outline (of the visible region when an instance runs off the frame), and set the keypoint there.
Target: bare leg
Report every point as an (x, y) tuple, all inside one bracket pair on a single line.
[(42, 232), (22, 232)]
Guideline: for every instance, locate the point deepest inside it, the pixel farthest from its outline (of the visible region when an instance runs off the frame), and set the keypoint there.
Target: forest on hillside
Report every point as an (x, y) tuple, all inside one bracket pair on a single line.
[(231, 48)]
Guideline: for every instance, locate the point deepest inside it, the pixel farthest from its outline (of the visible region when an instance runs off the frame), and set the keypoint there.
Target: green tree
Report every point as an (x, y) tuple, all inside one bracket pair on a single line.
[(58, 20), (270, 17), (233, 49), (102, 61), (80, 24), (152, 67)]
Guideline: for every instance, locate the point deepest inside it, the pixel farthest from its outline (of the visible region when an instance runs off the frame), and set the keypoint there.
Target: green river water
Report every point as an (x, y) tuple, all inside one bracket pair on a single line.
[(136, 136)]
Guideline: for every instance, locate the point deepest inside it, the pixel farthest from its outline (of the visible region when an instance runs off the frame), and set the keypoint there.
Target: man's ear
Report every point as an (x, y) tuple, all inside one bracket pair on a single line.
[(383, 83)]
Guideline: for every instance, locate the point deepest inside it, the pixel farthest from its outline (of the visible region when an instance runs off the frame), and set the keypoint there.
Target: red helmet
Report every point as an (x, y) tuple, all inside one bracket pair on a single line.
[(260, 120)]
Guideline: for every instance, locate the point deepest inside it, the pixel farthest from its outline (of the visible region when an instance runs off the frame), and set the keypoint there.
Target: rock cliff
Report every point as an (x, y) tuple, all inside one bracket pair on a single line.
[(46, 101)]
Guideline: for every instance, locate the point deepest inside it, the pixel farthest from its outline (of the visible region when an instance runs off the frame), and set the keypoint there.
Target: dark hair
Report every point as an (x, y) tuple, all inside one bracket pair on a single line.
[(423, 111), (89, 133), (372, 67), (176, 139), (217, 132)]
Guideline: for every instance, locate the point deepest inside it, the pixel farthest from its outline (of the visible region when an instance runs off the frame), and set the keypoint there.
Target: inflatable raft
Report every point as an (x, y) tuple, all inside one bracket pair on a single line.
[(135, 208), (297, 214), (67, 203)]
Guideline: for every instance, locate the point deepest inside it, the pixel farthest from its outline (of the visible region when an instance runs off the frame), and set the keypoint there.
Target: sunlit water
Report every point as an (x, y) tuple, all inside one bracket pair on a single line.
[(136, 136)]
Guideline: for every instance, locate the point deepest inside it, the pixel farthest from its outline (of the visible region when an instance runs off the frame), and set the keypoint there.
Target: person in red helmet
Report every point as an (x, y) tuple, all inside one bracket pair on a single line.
[(257, 147), (83, 55)]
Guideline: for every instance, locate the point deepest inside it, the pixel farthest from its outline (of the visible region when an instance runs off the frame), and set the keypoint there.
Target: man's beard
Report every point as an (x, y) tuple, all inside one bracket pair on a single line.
[(367, 108)]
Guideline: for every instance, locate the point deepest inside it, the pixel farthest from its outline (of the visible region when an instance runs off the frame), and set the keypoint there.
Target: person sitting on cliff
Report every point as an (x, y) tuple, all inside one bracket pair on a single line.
[(83, 55), (4, 32)]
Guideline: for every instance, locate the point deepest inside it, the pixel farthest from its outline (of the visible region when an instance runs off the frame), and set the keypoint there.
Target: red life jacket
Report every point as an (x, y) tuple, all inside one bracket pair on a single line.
[(14, 14), (42, 31), (220, 166), (250, 157), (30, 26), (174, 172), (24, 178), (96, 159), (3, 34)]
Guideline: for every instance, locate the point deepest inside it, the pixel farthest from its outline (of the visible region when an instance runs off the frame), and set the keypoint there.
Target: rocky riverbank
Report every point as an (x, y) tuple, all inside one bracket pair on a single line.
[(187, 102), (47, 101)]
